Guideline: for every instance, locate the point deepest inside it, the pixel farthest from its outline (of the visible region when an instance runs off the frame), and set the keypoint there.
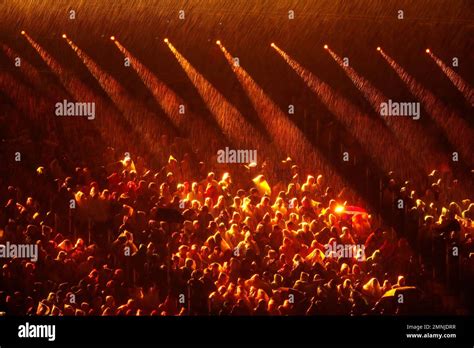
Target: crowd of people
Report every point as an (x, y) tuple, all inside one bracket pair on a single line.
[(128, 240)]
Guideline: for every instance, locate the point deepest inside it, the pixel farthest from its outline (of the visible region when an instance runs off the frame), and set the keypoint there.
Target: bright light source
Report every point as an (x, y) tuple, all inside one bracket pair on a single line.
[(339, 209), (112, 38), (273, 45), (166, 40), (218, 42), (325, 47), (379, 49), (64, 36), (22, 32), (428, 50)]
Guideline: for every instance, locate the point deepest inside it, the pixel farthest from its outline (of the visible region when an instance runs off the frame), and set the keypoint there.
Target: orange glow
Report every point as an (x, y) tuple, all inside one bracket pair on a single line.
[(218, 42), (22, 32), (428, 50), (325, 47), (166, 40), (379, 49), (112, 38), (64, 36), (339, 209)]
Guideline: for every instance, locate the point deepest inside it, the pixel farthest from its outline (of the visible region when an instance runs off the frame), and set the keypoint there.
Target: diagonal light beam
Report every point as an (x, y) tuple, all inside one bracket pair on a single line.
[(412, 136), (466, 90), (381, 148), (198, 130), (459, 133), (109, 126), (146, 123), (285, 133), (234, 126)]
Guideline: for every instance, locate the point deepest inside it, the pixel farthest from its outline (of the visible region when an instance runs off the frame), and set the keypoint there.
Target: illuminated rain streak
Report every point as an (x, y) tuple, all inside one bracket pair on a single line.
[(23, 123), (284, 132), (229, 119), (108, 128), (374, 96), (145, 123), (67, 81), (194, 126), (360, 125), (458, 133), (463, 87), (19, 92), (36, 107), (411, 135), (73, 85), (28, 70), (38, 110)]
